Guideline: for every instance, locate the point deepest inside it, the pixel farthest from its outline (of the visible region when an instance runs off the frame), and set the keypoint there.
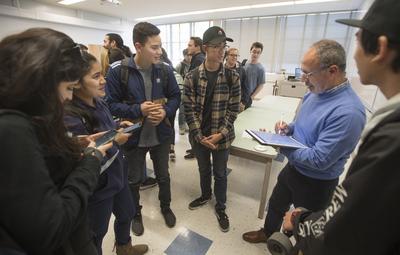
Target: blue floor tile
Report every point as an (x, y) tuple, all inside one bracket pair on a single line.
[(189, 242)]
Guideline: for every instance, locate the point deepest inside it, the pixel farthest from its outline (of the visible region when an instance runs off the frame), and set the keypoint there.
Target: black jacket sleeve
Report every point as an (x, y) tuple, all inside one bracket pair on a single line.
[(34, 212), (245, 93), (362, 217)]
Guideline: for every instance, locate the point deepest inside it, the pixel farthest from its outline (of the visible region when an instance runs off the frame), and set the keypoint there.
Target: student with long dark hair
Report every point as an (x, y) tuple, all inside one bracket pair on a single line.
[(45, 179), (86, 114)]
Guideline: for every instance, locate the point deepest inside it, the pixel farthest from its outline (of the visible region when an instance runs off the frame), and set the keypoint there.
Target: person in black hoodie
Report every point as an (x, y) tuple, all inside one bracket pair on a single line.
[(362, 215), (45, 178)]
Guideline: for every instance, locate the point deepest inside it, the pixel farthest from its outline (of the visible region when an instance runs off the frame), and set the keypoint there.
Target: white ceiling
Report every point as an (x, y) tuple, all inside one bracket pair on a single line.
[(133, 9)]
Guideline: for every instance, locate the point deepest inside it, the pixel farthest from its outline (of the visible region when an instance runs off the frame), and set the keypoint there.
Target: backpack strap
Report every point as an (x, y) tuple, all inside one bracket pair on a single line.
[(228, 77), (195, 79), (86, 118), (12, 112), (164, 76), (124, 76), (164, 80)]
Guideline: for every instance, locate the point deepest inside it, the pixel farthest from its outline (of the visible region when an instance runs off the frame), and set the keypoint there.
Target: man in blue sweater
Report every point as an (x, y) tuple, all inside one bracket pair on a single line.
[(330, 122), (361, 217)]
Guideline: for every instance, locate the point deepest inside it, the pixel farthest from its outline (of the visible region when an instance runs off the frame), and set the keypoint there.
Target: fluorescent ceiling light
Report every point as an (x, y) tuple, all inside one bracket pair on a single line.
[(69, 2), (114, 2), (235, 8)]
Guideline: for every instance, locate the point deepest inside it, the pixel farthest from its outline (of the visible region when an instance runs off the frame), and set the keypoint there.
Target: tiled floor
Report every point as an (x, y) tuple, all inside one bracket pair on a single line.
[(196, 232)]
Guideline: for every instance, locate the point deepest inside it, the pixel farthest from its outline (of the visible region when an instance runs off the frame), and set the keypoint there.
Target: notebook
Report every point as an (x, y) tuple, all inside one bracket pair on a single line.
[(265, 138)]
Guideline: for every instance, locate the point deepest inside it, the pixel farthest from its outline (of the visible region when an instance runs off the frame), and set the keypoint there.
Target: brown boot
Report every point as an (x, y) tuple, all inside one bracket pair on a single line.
[(128, 249), (255, 236)]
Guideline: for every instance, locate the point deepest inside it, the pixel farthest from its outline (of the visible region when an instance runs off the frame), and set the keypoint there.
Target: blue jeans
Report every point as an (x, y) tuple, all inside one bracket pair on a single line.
[(219, 165), (136, 158), (122, 206), (181, 117)]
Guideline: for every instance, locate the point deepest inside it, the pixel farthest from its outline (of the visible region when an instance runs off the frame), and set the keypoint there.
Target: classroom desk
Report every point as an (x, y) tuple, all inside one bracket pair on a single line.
[(263, 113)]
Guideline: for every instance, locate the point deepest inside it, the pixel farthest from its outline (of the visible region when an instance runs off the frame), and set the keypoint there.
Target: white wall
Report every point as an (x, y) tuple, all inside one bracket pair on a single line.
[(11, 25), (82, 27)]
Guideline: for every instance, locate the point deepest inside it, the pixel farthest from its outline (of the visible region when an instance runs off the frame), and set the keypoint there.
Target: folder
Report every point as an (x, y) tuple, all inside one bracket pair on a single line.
[(265, 138)]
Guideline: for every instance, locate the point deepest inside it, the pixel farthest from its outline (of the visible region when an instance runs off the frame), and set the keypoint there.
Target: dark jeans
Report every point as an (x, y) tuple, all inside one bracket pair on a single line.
[(191, 141), (297, 189), (181, 117), (219, 164), (136, 158), (122, 206)]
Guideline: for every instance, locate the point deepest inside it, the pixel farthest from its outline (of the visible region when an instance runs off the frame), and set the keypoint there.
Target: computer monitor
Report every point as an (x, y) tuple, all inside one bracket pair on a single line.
[(297, 73)]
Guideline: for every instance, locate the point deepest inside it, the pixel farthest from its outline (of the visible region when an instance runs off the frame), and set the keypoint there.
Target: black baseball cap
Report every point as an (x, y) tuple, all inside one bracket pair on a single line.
[(382, 18), (215, 35)]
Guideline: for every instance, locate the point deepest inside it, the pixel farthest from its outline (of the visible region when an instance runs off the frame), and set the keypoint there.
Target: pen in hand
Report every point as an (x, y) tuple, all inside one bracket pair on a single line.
[(280, 125)]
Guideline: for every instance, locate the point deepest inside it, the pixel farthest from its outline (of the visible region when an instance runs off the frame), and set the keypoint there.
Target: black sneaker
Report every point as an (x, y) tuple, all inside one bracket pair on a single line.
[(223, 220), (189, 151), (169, 217), (198, 202), (172, 155), (189, 156), (148, 183), (137, 223)]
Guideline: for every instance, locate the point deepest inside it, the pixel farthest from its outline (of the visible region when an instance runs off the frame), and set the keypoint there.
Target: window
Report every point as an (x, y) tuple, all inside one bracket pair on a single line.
[(285, 38), (175, 37), (292, 43), (200, 27)]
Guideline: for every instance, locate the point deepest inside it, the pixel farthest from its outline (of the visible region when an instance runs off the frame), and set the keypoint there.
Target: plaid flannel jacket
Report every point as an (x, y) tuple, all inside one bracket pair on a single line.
[(225, 105)]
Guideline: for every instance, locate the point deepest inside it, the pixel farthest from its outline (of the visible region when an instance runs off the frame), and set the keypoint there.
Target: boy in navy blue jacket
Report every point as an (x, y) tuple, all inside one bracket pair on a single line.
[(151, 95)]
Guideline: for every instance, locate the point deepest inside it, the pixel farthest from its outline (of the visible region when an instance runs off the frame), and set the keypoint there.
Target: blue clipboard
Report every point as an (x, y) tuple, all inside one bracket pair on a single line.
[(265, 138)]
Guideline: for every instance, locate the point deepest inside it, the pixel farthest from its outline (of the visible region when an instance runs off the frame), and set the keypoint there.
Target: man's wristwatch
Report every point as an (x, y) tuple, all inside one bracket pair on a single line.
[(94, 152)]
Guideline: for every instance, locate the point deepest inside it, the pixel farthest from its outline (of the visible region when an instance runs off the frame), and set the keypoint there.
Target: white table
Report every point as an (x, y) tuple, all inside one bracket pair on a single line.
[(262, 114)]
